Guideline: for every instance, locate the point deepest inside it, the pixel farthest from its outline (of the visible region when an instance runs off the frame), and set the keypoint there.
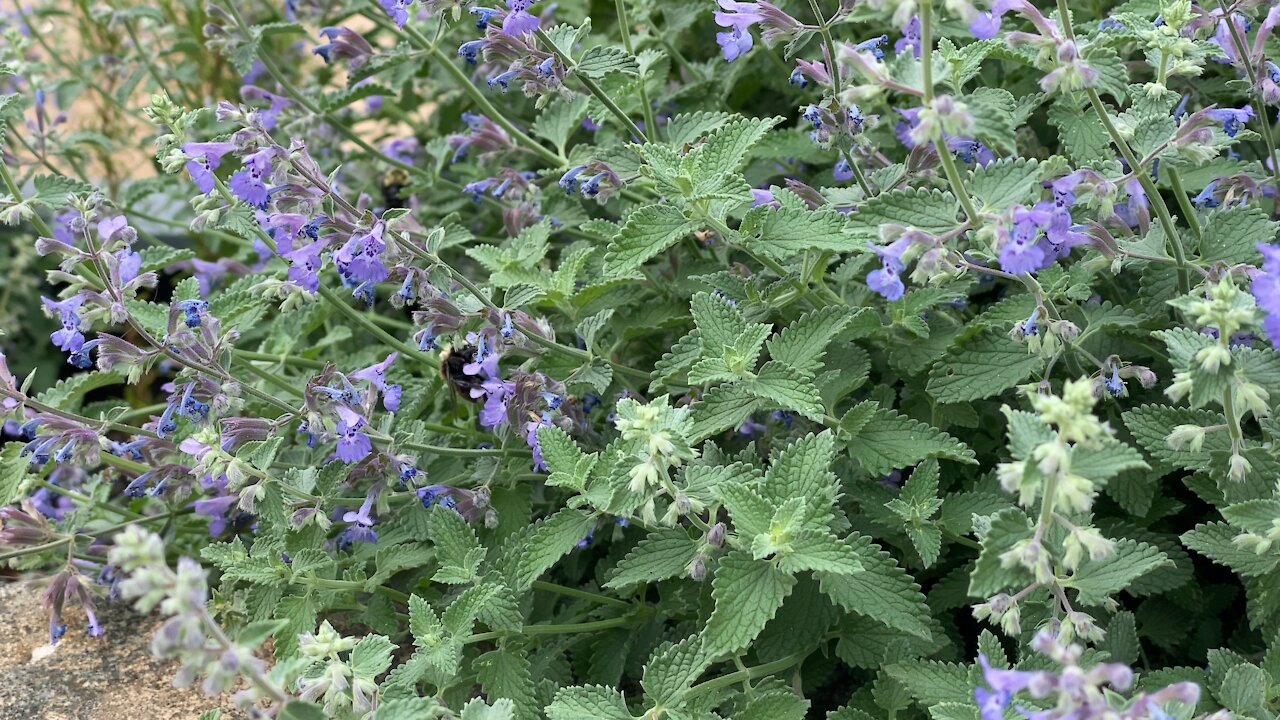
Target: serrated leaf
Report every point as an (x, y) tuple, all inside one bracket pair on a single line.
[(665, 553), (747, 594), (1097, 579), (647, 232), (551, 541), (889, 440), (588, 702), (672, 669), (883, 591), (783, 232), (603, 59), (981, 365)]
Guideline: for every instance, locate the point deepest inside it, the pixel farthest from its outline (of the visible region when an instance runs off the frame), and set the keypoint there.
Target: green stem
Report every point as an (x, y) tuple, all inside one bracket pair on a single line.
[(12, 186), (86, 500), (750, 673), (530, 630), (1253, 86), (625, 26), (836, 82), (1172, 237), (593, 88), (1179, 194), (580, 594), (364, 322), (940, 141), (282, 359)]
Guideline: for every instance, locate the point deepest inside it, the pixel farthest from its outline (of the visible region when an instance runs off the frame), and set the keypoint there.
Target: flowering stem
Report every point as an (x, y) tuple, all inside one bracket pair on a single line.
[(476, 94), (562, 629), (940, 141), (364, 322), (1253, 86), (836, 81), (251, 671), (86, 500), (594, 89), (1179, 194), (16, 192), (282, 359), (68, 539), (857, 174), (624, 25)]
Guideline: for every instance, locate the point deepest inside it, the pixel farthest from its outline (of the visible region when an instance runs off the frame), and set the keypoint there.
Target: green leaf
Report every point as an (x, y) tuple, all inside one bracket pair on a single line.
[(505, 673), (1081, 133), (788, 389), (889, 440), (1097, 579), (722, 407), (648, 231), (672, 669), (551, 541), (1233, 236), (803, 343), (933, 211), (775, 705), (371, 656), (747, 594), (603, 59), (783, 232), (1004, 183), (665, 553), (1244, 690), (980, 365), (68, 393), (719, 322), (931, 682), (477, 709), (588, 702), (726, 148), (1215, 541), (882, 592)]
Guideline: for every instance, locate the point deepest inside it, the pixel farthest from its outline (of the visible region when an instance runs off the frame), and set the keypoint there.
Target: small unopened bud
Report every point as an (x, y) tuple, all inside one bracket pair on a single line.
[(698, 568), (715, 537)]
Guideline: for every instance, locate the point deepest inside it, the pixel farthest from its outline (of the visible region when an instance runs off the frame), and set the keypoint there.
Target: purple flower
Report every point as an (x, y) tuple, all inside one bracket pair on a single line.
[(503, 80), (470, 51), (353, 445), (375, 375), (985, 25), (1114, 384), (397, 9), (886, 281), (1232, 120), (67, 338), (842, 171), (873, 45), (519, 21), (738, 19), (1021, 252), (248, 184), (531, 437), (362, 516), (360, 259), (1004, 683), (1266, 290), (216, 509), (205, 158), (763, 197), (305, 264), (910, 37), (1205, 198)]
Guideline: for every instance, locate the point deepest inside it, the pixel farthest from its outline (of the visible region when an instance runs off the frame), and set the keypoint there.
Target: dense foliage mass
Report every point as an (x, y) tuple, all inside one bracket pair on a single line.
[(653, 359)]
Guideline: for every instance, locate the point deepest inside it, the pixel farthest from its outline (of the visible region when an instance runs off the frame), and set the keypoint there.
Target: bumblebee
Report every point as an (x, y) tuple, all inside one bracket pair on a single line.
[(452, 360), (394, 183)]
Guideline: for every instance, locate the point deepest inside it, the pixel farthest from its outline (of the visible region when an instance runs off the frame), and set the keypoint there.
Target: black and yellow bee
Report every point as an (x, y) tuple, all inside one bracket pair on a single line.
[(394, 183), (452, 360)]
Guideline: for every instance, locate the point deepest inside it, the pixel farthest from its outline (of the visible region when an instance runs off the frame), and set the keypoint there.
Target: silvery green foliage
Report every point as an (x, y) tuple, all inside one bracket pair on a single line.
[(658, 360)]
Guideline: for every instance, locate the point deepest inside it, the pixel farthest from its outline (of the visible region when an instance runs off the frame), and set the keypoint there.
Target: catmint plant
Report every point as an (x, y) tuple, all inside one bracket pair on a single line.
[(652, 360)]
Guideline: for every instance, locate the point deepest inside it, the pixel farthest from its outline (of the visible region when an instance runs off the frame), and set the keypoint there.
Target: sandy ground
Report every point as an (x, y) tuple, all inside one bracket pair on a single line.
[(113, 677)]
